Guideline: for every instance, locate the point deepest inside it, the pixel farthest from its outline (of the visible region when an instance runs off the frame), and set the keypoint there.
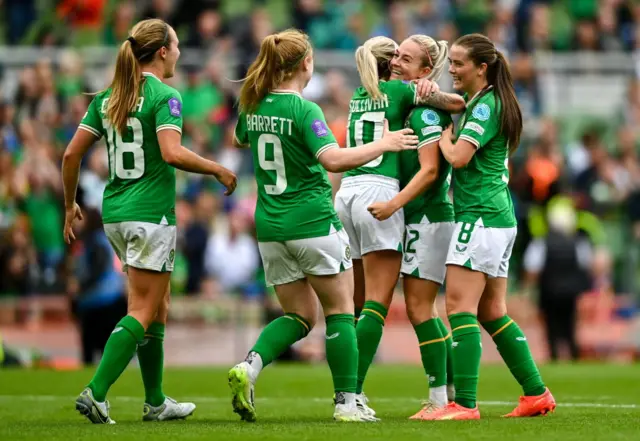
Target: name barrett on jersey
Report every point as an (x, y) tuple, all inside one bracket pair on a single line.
[(273, 124)]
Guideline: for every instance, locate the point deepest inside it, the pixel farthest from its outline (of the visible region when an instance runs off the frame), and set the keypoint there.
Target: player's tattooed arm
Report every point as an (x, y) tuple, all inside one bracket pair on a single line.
[(450, 102)]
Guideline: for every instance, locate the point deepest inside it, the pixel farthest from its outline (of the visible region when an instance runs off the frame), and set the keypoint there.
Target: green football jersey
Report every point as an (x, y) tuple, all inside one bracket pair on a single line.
[(142, 186), (366, 123), (481, 193), (434, 204), (287, 134)]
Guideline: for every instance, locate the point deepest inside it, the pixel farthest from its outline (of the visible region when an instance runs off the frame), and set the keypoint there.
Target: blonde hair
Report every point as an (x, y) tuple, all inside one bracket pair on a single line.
[(279, 58), (435, 54), (372, 61), (147, 37)]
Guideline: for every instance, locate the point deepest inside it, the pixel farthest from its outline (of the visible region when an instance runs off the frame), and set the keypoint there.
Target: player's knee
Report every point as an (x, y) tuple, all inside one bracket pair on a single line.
[(490, 311), (419, 310)]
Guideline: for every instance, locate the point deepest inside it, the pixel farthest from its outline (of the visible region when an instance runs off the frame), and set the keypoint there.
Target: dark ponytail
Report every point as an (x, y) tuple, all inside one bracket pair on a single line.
[(481, 50), (499, 76)]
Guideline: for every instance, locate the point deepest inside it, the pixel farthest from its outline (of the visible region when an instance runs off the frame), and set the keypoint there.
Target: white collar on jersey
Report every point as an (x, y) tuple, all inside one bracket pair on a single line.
[(149, 74), (286, 91)]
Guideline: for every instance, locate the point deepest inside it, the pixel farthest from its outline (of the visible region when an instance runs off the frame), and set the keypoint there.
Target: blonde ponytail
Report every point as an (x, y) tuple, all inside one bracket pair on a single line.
[(372, 62), (435, 54), (124, 87), (147, 37), (280, 57)]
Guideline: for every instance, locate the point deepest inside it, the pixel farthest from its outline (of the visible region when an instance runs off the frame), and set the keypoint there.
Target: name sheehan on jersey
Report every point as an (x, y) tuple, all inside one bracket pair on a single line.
[(368, 104), (273, 124)]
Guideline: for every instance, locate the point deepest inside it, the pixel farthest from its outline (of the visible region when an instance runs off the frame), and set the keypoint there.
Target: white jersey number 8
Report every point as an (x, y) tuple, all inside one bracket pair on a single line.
[(116, 149), (277, 163), (377, 119)]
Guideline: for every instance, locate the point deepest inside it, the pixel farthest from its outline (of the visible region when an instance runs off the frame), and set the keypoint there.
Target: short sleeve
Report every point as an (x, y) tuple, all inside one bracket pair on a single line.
[(407, 91), (481, 125), (168, 112), (316, 134), (428, 125), (92, 121), (240, 133)]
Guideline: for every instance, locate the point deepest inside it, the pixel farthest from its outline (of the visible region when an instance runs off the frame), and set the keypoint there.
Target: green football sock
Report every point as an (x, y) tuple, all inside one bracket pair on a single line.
[(356, 316), (278, 335), (117, 354), (342, 352), (448, 341), (514, 349), (466, 357), (369, 332), (433, 352), (151, 359)]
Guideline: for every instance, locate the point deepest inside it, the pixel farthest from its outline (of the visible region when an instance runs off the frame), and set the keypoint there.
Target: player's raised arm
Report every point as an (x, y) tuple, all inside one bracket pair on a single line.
[(340, 160)]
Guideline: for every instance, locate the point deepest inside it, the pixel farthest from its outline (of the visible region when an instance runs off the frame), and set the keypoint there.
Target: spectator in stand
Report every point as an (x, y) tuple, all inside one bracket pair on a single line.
[(96, 288), (237, 274)]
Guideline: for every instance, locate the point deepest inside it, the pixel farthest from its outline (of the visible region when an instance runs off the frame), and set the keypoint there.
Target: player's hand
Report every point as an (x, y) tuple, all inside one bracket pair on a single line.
[(227, 178), (447, 133), (382, 210), (70, 215), (399, 140), (426, 87)]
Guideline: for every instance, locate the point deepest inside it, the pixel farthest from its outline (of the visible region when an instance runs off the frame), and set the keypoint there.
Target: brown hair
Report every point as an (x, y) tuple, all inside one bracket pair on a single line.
[(482, 50), (372, 61), (279, 58), (435, 54), (147, 37)]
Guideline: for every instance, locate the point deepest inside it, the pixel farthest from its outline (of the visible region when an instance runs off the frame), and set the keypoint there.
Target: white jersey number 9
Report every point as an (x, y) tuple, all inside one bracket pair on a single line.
[(116, 149), (276, 164), (375, 118)]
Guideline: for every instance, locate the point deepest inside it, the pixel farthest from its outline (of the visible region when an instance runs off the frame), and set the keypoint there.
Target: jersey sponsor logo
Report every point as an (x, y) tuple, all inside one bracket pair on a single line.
[(319, 128), (172, 255), (430, 117), (175, 107), (429, 130), (475, 127), (481, 112), (347, 252), (332, 336), (461, 248)]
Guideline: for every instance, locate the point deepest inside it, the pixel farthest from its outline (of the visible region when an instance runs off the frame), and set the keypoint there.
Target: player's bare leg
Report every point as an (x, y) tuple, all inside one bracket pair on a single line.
[(420, 299), (514, 349), (146, 291), (464, 290), (336, 296), (300, 304), (157, 406)]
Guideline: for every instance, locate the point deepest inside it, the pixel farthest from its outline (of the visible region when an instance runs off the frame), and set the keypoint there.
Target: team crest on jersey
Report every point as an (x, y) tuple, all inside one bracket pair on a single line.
[(319, 128), (347, 252), (481, 112), (175, 107), (430, 117)]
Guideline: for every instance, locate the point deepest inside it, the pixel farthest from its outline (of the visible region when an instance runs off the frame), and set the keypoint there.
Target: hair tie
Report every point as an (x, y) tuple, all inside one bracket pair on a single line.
[(131, 40)]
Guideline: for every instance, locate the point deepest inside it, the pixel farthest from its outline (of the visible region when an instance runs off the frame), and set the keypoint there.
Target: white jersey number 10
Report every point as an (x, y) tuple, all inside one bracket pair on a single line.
[(375, 118)]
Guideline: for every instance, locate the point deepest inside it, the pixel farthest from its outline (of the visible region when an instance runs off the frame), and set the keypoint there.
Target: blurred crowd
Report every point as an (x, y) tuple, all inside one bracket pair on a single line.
[(598, 169)]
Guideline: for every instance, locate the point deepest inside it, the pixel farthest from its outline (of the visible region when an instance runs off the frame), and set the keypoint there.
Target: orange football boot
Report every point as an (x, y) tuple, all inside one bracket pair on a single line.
[(534, 406), (453, 411), (427, 408)]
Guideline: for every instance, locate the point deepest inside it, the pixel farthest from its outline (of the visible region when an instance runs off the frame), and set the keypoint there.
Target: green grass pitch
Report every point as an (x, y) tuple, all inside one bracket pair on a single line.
[(595, 402)]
